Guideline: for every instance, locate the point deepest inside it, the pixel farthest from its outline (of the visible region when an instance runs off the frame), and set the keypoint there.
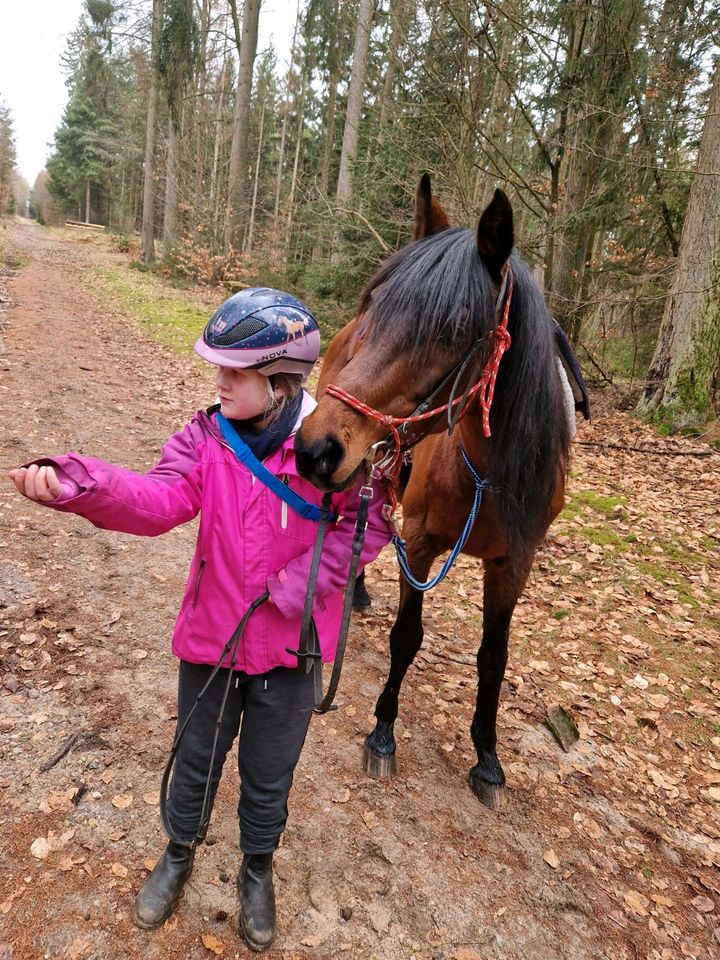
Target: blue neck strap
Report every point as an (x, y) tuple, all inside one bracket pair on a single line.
[(307, 510)]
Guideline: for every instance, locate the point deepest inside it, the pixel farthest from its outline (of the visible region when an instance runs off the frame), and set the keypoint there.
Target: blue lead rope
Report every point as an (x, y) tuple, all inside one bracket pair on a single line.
[(245, 455), (481, 484)]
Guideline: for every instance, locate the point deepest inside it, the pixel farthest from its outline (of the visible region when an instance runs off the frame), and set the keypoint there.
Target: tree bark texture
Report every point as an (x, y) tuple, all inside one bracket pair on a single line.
[(606, 67), (171, 191), (355, 100), (148, 214), (683, 383), (237, 178)]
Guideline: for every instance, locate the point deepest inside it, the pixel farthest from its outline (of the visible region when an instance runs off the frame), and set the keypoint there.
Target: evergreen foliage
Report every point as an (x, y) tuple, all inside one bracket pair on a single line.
[(7, 161), (589, 115)]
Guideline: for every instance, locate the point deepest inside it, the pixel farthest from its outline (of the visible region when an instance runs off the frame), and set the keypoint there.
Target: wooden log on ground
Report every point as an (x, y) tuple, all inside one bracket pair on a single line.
[(88, 226), (235, 285)]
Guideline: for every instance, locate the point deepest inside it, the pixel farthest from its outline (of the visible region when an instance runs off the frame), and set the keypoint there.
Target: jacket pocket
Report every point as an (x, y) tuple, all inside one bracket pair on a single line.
[(198, 578)]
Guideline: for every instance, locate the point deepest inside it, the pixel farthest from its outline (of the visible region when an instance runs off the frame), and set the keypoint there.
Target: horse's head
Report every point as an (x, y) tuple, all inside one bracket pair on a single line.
[(419, 315)]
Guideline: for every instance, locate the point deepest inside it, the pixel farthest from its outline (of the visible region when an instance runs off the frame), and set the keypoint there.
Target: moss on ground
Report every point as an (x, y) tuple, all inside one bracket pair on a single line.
[(174, 322)]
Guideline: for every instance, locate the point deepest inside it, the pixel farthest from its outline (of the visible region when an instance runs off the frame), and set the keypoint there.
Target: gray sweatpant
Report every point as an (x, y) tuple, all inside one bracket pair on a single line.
[(272, 712)]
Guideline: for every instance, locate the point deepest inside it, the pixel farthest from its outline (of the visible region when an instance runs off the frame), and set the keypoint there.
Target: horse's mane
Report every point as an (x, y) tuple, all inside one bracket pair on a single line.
[(437, 292)]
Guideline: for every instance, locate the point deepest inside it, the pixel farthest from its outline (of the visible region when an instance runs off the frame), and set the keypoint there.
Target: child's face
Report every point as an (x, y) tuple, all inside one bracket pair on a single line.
[(243, 393)]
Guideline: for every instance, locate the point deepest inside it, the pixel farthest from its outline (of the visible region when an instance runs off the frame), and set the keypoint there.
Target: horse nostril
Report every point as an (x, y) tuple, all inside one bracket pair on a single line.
[(319, 459)]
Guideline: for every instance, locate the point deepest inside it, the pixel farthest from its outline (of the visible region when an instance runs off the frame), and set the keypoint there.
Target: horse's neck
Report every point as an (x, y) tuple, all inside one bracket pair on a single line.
[(470, 435)]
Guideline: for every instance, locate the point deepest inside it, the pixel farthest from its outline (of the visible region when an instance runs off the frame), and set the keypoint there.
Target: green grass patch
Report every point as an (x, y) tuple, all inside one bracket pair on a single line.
[(174, 322), (669, 578), (604, 504)]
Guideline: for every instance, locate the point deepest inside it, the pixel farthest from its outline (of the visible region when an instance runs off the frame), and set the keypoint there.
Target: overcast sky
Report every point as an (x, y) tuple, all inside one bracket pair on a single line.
[(32, 39)]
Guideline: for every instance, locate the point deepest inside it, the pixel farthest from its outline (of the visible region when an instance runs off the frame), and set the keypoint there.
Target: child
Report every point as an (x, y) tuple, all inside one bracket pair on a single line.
[(264, 344)]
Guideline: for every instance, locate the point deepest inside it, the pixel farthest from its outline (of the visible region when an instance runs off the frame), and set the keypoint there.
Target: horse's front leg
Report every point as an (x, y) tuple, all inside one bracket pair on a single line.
[(502, 587), (406, 639)]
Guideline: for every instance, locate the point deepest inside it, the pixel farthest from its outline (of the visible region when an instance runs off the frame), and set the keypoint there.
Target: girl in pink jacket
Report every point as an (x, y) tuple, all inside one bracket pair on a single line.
[(251, 542)]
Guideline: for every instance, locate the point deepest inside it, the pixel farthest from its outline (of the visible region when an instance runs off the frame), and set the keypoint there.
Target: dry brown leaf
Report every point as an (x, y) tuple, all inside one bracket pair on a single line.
[(41, 848), (311, 941), (150, 864), (637, 902), (78, 948), (342, 798), (551, 858), (212, 943), (660, 900), (139, 654), (119, 870), (703, 904), (122, 801), (152, 799)]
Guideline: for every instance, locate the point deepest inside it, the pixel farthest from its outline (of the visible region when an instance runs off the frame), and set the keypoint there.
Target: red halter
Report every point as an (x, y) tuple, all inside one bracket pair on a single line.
[(485, 388)]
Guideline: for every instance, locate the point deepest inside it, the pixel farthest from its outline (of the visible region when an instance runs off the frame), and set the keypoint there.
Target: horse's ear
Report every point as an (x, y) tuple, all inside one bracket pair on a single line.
[(430, 217), (495, 233)]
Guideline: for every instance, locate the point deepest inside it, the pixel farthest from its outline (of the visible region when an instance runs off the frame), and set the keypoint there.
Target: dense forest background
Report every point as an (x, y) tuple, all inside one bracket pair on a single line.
[(599, 118)]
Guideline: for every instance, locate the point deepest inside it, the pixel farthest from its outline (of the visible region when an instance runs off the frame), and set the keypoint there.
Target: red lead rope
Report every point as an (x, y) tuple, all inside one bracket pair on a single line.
[(485, 387)]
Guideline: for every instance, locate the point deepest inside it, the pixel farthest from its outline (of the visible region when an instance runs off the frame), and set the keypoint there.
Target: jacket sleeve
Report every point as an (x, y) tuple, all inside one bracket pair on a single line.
[(146, 504), (288, 586)]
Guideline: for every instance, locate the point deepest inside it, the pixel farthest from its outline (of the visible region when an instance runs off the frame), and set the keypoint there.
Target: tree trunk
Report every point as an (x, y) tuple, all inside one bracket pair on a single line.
[(683, 383), (224, 73), (355, 100), (397, 20), (283, 135), (198, 110), (237, 179), (251, 227), (298, 147), (607, 65), (87, 201), (148, 214), (170, 217)]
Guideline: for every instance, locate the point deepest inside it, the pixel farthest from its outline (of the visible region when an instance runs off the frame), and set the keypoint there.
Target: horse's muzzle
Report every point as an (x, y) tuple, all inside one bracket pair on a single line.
[(318, 461)]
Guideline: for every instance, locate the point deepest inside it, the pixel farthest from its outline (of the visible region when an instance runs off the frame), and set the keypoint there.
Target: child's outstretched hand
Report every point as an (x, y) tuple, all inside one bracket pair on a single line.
[(37, 483)]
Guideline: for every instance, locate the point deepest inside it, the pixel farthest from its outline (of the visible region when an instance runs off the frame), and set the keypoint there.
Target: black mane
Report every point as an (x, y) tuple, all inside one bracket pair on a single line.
[(437, 292)]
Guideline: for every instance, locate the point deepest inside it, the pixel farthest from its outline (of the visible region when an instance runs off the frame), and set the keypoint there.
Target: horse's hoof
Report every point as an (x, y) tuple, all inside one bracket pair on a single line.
[(379, 766), (492, 795)]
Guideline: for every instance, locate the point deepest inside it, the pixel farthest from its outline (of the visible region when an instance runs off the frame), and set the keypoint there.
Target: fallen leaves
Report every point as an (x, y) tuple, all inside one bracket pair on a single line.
[(212, 943), (637, 902), (42, 847), (122, 801), (551, 858), (703, 904)]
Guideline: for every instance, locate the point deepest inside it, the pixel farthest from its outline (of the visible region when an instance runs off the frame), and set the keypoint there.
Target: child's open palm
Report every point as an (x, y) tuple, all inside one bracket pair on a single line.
[(37, 483)]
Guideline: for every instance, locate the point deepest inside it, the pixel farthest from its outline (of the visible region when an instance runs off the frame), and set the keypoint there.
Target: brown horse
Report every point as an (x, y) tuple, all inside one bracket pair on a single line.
[(427, 308)]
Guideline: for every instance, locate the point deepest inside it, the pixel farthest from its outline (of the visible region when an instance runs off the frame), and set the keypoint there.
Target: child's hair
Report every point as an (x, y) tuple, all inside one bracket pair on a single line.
[(290, 385)]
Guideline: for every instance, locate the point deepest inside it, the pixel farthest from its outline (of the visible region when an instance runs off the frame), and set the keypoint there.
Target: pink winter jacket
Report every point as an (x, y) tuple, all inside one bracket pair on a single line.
[(249, 540)]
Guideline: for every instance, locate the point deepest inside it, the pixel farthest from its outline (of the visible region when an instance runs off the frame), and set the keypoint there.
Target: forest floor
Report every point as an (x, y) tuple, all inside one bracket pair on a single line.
[(607, 852)]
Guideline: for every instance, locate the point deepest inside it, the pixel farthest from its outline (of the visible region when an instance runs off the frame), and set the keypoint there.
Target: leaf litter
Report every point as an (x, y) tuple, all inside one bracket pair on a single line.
[(618, 627)]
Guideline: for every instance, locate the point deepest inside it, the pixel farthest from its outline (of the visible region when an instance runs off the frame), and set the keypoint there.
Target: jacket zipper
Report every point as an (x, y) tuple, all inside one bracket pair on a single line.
[(197, 582), (284, 506)]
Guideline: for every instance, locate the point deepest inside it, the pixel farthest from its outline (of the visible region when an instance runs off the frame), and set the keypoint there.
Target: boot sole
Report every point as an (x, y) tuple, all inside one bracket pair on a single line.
[(144, 925), (253, 944)]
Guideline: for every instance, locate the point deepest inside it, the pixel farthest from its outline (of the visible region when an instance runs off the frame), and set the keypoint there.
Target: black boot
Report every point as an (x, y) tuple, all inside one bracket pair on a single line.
[(161, 891), (361, 598), (257, 900)]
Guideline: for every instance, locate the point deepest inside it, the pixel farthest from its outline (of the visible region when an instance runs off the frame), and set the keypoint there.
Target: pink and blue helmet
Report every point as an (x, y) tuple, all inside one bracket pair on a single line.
[(262, 329)]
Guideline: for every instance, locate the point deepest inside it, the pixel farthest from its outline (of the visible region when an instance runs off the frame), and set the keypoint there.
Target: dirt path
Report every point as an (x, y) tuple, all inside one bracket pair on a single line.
[(604, 853)]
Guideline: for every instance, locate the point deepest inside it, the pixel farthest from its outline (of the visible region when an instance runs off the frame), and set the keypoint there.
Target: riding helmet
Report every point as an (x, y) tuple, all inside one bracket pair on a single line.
[(262, 329)]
